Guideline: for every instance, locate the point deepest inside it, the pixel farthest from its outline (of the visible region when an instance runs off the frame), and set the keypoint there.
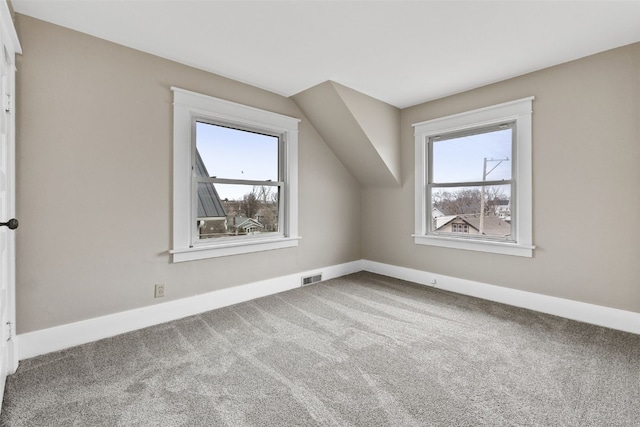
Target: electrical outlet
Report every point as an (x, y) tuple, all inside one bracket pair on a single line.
[(159, 292)]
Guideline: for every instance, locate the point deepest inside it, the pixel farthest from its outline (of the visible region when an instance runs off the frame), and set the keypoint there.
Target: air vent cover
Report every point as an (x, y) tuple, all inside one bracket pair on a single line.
[(311, 279)]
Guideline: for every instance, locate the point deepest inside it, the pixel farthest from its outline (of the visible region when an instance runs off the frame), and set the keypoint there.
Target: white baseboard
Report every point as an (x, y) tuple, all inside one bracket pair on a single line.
[(60, 337), (613, 318)]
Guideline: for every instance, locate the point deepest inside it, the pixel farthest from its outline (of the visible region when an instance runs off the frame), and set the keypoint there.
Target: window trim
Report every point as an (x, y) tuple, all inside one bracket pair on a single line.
[(189, 106), (518, 111)]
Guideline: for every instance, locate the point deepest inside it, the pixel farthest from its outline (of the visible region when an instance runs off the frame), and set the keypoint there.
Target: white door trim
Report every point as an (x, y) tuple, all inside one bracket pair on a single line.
[(9, 47)]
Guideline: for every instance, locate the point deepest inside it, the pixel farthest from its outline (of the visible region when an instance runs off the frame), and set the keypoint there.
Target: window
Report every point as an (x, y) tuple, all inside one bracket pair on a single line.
[(473, 180), (234, 178), (459, 228), (238, 181)]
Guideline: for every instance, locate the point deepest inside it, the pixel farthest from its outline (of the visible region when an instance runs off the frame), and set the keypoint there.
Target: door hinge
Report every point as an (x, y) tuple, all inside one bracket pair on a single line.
[(9, 331), (7, 104)]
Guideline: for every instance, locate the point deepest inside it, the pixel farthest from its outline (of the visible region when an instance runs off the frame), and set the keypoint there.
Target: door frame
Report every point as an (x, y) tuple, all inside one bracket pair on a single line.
[(10, 43)]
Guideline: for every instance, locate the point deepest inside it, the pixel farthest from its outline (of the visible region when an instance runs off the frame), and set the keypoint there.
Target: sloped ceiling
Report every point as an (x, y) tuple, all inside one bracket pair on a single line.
[(363, 132)]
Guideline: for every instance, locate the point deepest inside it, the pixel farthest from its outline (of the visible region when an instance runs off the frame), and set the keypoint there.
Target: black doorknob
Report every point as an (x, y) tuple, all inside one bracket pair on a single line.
[(12, 224)]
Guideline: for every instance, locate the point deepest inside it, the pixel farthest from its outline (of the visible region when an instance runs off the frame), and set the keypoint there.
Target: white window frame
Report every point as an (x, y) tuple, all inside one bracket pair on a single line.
[(518, 111), (190, 106)]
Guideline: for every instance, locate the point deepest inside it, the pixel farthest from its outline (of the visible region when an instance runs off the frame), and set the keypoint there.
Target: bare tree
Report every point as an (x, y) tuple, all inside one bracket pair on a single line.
[(250, 204), (494, 195), (262, 193), (467, 200), (269, 207), (459, 202), (261, 204)]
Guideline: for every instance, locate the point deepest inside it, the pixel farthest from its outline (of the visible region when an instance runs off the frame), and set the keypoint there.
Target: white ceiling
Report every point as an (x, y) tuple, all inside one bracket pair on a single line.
[(401, 52)]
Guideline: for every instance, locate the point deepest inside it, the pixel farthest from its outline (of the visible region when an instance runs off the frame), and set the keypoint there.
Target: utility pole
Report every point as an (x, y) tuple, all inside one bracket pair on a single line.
[(484, 177)]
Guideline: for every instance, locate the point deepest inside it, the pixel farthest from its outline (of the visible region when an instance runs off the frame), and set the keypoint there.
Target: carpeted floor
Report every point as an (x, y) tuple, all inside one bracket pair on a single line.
[(361, 350)]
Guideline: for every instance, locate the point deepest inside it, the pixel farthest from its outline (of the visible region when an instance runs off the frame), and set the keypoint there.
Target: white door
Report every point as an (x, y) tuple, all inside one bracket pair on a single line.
[(8, 48)]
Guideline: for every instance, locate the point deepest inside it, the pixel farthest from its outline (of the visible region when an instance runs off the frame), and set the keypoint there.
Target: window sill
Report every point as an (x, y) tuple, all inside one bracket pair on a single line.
[(232, 248), (476, 245)]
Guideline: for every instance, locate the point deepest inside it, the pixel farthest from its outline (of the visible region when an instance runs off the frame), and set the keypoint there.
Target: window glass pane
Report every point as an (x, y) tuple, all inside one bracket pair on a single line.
[(462, 159), (229, 210), (237, 154), (457, 210)]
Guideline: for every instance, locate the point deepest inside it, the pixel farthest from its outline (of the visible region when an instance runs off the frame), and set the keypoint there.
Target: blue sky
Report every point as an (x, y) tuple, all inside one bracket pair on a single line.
[(234, 154), (461, 159)]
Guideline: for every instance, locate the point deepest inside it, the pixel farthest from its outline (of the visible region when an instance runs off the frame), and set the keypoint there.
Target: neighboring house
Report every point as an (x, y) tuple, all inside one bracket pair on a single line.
[(470, 224), (248, 226), (240, 224), (212, 217), (436, 213), (439, 219), (503, 209)]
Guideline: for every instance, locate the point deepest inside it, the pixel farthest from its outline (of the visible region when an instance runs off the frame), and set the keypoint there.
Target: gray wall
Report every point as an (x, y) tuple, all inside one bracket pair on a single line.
[(94, 161), (586, 173), (94, 184)]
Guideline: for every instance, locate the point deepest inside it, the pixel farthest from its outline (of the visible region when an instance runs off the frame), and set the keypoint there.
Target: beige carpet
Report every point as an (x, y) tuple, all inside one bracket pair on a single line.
[(362, 350)]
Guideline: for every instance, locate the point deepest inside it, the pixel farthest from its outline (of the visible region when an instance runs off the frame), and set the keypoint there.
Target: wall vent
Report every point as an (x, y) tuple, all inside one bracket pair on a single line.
[(311, 279)]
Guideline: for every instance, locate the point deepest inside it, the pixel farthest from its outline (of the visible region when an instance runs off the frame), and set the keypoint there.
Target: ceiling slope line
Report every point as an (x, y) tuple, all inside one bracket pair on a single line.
[(362, 131)]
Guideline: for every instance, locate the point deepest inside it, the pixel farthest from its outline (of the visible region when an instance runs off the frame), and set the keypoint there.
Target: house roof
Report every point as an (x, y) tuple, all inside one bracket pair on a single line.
[(444, 220), (493, 225), (435, 212), (209, 204), (249, 223)]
